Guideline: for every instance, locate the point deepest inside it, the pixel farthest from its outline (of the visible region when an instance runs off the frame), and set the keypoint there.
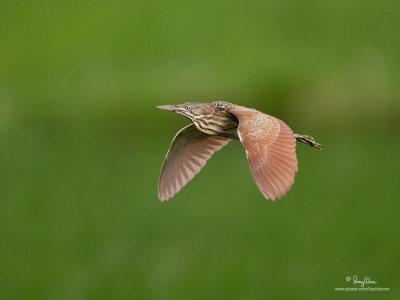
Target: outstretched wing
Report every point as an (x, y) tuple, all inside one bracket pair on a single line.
[(190, 149), (271, 150)]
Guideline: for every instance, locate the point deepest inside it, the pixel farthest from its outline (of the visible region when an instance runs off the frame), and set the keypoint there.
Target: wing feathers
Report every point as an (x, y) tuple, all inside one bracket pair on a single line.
[(271, 151), (189, 152)]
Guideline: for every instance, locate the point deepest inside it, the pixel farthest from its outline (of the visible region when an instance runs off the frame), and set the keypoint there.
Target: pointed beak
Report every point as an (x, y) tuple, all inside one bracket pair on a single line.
[(168, 107), (176, 108)]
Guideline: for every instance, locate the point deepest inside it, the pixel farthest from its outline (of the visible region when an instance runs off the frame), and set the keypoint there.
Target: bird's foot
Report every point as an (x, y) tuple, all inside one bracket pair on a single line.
[(309, 140)]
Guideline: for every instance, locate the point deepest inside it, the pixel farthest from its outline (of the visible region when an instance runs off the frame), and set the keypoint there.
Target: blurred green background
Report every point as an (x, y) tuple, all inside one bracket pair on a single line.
[(81, 145)]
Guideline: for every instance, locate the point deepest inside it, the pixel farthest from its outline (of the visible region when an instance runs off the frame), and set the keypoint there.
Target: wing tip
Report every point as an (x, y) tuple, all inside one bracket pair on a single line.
[(163, 197), (275, 197)]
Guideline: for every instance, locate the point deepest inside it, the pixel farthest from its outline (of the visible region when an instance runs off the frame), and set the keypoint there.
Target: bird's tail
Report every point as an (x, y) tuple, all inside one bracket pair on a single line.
[(309, 140)]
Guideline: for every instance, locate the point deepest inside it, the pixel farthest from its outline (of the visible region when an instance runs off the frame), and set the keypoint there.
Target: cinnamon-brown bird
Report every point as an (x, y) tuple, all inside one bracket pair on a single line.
[(269, 143)]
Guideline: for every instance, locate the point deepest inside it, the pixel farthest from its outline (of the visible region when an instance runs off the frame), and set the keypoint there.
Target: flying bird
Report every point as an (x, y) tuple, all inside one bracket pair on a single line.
[(269, 143)]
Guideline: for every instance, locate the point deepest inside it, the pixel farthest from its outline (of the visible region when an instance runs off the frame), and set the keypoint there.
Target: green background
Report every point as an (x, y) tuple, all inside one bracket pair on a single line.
[(81, 145)]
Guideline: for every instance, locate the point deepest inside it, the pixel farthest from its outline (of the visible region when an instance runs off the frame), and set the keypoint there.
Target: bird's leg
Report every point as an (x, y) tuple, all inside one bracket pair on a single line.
[(309, 140)]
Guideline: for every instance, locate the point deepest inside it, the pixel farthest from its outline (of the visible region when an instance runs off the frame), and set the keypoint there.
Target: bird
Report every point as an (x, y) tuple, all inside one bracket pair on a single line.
[(269, 143)]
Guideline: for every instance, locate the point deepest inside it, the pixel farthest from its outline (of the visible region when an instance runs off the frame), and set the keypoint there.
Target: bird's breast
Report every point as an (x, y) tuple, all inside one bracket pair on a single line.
[(222, 125)]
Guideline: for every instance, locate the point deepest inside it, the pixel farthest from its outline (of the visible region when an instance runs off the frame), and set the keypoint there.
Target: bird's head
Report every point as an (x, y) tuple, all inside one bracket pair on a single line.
[(192, 110)]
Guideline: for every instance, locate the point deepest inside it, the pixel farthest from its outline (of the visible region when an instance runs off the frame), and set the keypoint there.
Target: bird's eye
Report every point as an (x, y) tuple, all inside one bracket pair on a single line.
[(189, 107), (221, 106)]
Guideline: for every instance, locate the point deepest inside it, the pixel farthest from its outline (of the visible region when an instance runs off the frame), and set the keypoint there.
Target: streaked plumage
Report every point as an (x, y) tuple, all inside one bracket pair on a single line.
[(269, 143)]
